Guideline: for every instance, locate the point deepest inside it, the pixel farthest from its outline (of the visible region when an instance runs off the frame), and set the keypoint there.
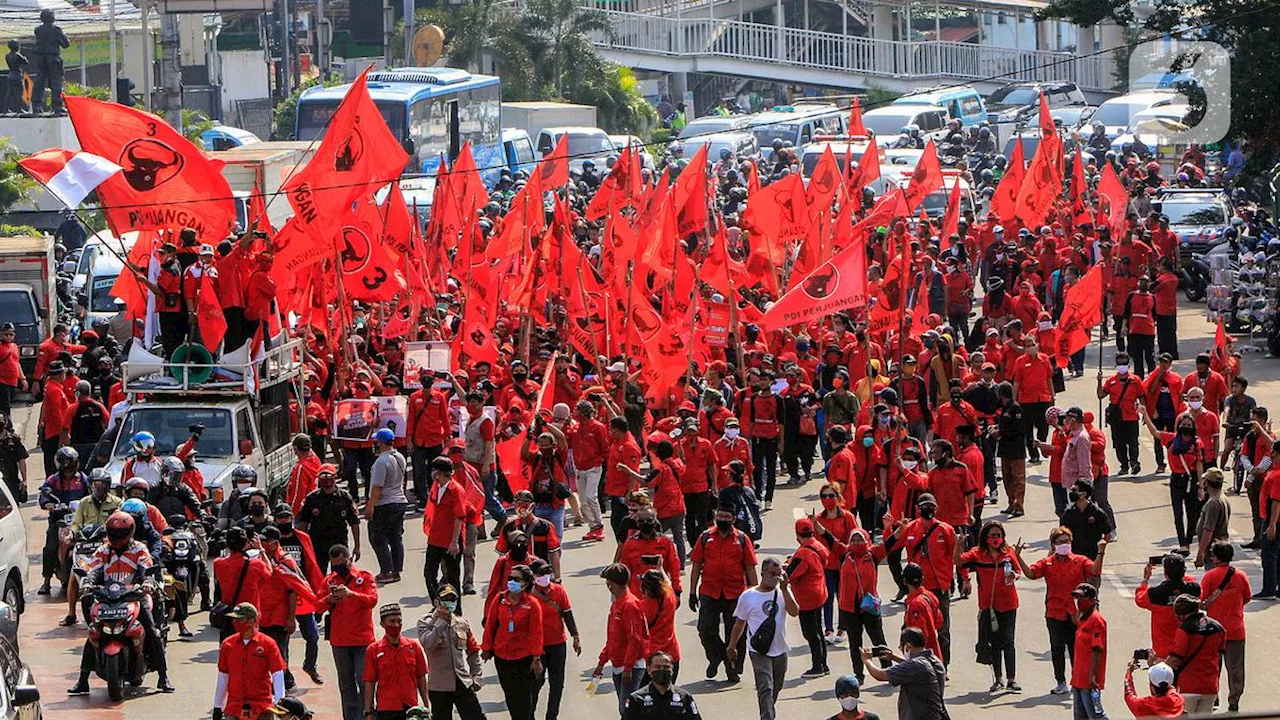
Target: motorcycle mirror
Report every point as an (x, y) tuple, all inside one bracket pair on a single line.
[(24, 695)]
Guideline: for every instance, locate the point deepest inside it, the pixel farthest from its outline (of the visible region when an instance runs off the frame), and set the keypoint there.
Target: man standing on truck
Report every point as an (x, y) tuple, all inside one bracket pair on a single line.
[(11, 378), (167, 288), (260, 299), (191, 280)]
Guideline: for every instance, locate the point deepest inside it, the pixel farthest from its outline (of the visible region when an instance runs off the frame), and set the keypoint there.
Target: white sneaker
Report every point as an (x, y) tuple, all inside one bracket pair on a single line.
[(829, 638), (1060, 689), (768, 505)]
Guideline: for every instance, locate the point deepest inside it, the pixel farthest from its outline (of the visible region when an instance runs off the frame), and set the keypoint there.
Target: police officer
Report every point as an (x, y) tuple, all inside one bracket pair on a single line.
[(243, 480), (326, 514), (661, 698)]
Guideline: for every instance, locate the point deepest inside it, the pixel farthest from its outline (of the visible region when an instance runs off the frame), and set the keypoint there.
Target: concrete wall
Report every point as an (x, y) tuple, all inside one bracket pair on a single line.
[(244, 77)]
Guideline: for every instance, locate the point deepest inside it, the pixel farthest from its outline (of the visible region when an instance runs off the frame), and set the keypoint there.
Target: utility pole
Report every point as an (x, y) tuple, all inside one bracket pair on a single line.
[(148, 47), (171, 71), (321, 63), (408, 33)]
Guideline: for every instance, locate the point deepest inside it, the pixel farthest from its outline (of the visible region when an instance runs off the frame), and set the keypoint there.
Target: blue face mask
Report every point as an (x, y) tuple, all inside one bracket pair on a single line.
[(802, 348), (514, 586), (868, 442), (450, 605)]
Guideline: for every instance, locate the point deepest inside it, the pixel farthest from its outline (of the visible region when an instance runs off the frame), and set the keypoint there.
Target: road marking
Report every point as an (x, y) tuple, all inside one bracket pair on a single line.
[(1115, 582)]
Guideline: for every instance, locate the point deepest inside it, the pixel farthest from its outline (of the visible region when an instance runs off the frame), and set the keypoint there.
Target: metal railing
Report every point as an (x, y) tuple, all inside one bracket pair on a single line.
[(708, 37)]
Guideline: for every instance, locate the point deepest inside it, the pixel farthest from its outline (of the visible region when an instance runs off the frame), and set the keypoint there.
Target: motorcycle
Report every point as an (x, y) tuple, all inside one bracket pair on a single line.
[(980, 161), (87, 542), (116, 633), (61, 517), (183, 567)]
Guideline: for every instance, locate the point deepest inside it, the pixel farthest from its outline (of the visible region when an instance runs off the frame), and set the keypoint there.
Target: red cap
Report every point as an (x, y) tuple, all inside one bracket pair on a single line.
[(804, 526)]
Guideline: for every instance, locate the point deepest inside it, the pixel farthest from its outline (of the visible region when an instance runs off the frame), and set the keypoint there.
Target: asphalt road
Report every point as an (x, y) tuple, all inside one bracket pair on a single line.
[(1146, 528)]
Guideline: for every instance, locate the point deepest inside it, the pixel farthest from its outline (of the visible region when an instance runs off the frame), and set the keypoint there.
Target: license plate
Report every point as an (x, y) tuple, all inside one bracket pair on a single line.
[(113, 613)]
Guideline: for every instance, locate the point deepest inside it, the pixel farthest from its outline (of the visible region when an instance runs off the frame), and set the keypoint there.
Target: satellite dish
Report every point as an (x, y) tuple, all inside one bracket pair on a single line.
[(428, 43)]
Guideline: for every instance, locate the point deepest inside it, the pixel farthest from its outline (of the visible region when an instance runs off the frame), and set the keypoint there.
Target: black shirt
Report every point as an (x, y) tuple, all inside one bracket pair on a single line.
[(1087, 527), (11, 452), (1012, 443), (647, 702), (328, 514)]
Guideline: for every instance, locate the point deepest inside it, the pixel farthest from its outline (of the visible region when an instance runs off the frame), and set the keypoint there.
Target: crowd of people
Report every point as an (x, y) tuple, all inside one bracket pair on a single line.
[(908, 438)]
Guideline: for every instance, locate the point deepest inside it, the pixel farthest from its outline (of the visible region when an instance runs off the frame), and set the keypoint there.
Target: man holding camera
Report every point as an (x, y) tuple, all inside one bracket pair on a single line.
[(1196, 655), (917, 672)]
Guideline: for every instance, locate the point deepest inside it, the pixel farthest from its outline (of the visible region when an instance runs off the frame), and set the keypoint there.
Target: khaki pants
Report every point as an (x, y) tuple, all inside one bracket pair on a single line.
[(1233, 662), (1198, 705), (1015, 480)]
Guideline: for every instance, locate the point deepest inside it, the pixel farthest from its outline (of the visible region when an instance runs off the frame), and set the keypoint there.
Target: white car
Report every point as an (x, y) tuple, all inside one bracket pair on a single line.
[(585, 143), (13, 552), (623, 141), (887, 122), (714, 124), (1152, 125), (1116, 113), (741, 144)]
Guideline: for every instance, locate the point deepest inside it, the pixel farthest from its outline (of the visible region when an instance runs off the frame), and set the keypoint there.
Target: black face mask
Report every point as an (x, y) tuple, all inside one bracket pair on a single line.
[(342, 570), (661, 677), (648, 527), (724, 525), (928, 511), (1073, 496), (257, 511), (285, 528), (519, 378), (519, 551), (1186, 432)]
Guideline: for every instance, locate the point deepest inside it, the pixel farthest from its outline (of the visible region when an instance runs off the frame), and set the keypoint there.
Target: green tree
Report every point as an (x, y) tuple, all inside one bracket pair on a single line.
[(15, 185), (562, 30), (286, 112)]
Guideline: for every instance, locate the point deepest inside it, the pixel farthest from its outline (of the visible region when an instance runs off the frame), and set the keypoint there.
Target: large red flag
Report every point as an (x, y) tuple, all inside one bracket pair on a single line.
[(359, 153), (1117, 199), (618, 182), (867, 171), (660, 238), (209, 317), (468, 193), (1046, 119), (1081, 310), (719, 269), (926, 178), (836, 284), (1043, 182), (555, 165), (397, 223), (168, 183), (296, 250), (369, 269), (1079, 212), (690, 194), (855, 119), (127, 287), (951, 218), (1005, 201), (823, 183), (780, 215)]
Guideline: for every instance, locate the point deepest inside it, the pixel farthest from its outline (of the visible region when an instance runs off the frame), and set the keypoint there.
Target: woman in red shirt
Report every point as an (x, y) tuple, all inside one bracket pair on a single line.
[(859, 596), (808, 582), (1187, 455), (557, 615), (659, 603), (833, 526), (513, 638), (997, 570)]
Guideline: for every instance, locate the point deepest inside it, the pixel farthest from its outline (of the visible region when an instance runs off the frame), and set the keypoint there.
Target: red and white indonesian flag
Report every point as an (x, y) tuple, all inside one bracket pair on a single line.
[(69, 175)]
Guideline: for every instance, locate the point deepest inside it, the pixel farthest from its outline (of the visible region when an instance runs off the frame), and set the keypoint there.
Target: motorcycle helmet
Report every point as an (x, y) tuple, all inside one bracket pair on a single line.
[(987, 176), (65, 458), (120, 529), (984, 132), (999, 161), (1051, 416), (99, 475), (242, 474), (172, 468), (136, 484), (953, 124), (998, 230), (177, 521), (725, 154), (144, 442), (1230, 234), (135, 508)]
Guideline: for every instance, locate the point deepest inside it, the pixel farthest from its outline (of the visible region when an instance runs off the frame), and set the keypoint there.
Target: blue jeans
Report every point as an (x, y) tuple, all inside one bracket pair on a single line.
[(386, 536), (311, 635), (1270, 564), (1060, 499), (833, 585), (349, 662), (1088, 704), (624, 690), (555, 516), (492, 504)]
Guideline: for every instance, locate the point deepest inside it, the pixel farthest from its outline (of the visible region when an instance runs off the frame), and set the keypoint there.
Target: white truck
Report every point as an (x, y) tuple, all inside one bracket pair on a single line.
[(533, 117), (265, 166), (28, 294), (249, 410)]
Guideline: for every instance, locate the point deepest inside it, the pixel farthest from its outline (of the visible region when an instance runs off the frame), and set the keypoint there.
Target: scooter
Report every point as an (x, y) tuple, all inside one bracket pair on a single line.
[(62, 516), (116, 633), (183, 566)]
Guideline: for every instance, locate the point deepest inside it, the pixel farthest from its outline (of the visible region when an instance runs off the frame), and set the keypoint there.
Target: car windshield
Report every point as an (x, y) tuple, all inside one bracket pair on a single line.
[(1014, 95), (1116, 113), (1029, 145), (766, 134), (935, 203), (705, 126), (1193, 213), (810, 162), (170, 426), (591, 145), (15, 307), (886, 126), (100, 298)]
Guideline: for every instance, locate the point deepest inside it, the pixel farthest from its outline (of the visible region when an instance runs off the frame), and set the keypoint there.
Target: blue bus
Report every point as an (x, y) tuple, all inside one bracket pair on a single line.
[(433, 111)]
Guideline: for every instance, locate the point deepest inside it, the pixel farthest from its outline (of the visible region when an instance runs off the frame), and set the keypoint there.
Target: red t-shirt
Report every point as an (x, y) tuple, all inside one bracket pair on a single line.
[(664, 488), (953, 488), (805, 571), (1228, 607), (351, 618), (996, 587), (724, 562), (1183, 462), (395, 669), (1061, 573), (1034, 376), (552, 623), (1125, 391), (1091, 635), (1142, 308), (248, 667), (698, 456), (923, 611), (627, 452), (450, 505), (226, 571)]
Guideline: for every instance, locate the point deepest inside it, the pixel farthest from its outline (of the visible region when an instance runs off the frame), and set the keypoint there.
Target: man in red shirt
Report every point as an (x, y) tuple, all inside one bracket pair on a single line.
[(427, 429), (723, 564), (395, 669), (1196, 655), (1209, 380), (627, 639), (931, 543), (233, 271), (444, 535), (1164, 701), (1032, 377), (618, 482), (729, 447), (698, 479), (349, 594), (53, 414), (1124, 390), (237, 570), (12, 379), (589, 445), (51, 349), (1166, 294), (302, 479), (250, 669), (1089, 661), (260, 298), (1223, 591)]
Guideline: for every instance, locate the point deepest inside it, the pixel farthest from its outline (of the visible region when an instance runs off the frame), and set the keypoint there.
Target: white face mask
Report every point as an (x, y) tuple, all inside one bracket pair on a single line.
[(1195, 404), (542, 580), (1063, 549), (731, 433), (849, 703), (1122, 369), (909, 464), (1044, 325)]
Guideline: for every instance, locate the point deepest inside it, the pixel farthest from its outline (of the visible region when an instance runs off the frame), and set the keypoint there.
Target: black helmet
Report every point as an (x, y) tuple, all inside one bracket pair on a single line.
[(243, 473), (986, 175), (66, 456)]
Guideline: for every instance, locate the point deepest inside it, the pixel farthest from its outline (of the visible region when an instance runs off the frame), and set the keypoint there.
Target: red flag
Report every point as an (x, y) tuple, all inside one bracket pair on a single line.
[(1117, 200), (1219, 355), (296, 250), (659, 341), (213, 324), (868, 170), (1043, 182), (838, 283), (547, 392), (519, 224), (661, 253), (855, 119), (780, 214), (1005, 201), (823, 183), (1046, 119), (397, 224), (167, 184), (690, 194), (719, 269), (951, 218), (1078, 209), (369, 270), (258, 212), (359, 153), (127, 287), (467, 191), (926, 178), (617, 182), (555, 165), (1081, 310)]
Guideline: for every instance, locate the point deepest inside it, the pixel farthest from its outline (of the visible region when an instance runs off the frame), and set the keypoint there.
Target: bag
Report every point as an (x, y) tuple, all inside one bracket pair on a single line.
[(808, 426), (1114, 414), (561, 490), (1059, 380), (1226, 579), (218, 614), (762, 639), (870, 602)]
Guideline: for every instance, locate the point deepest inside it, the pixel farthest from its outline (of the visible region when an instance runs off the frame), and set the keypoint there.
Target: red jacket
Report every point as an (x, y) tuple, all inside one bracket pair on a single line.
[(938, 561), (634, 548), (50, 350), (428, 421), (351, 618), (628, 633), (806, 573), (248, 667), (660, 616), (302, 480), (668, 500), (226, 572)]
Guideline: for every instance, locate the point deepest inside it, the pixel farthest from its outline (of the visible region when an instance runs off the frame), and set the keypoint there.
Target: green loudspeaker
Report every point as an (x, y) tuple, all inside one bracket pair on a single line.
[(195, 354)]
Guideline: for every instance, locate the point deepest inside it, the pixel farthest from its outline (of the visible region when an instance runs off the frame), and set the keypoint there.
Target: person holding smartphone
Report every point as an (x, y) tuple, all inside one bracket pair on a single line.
[(454, 670)]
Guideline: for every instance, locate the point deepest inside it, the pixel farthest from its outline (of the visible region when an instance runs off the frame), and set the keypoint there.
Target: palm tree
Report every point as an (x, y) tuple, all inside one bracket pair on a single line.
[(15, 185), (472, 32), (564, 29)]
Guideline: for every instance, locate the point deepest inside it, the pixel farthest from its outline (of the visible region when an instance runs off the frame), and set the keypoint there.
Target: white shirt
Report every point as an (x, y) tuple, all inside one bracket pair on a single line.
[(753, 607)]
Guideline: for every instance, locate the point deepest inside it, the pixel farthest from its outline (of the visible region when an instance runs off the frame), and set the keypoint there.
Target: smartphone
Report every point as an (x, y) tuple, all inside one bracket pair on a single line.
[(1156, 560), (881, 651), (650, 559), (1142, 654)]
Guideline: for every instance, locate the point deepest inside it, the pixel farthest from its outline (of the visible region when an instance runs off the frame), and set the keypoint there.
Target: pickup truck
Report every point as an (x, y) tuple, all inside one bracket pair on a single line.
[(248, 408), (28, 296)]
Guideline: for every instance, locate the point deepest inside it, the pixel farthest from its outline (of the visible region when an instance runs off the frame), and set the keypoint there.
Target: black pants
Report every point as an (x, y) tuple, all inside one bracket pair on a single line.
[(517, 681), (452, 571), (798, 458), (715, 625), (553, 657), (422, 457), (49, 554), (357, 466), (1255, 505), (281, 638), (617, 514), (173, 331), (764, 453), (1118, 320), (1034, 427), (1124, 437), (1185, 499), (987, 445), (1142, 350), (48, 67), (6, 399), (1167, 334), (1002, 638), (386, 536), (462, 698), (811, 628), (697, 515), (1062, 639), (895, 569), (960, 323), (854, 624), (322, 544), (235, 335), (867, 507), (1164, 424), (49, 448), (944, 631)]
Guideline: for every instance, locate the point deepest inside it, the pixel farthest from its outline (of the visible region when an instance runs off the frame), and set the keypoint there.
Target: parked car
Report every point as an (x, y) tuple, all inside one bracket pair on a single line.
[(622, 141), (886, 123), (1152, 126), (585, 143), (741, 144), (798, 124), (1116, 113), (714, 125), (1019, 103), (13, 552), (19, 696), (1198, 216), (963, 103)]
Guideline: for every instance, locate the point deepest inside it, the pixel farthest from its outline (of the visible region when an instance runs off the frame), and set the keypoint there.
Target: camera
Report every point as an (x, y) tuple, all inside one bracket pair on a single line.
[(650, 559), (1155, 560), (1142, 655), (881, 651)]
